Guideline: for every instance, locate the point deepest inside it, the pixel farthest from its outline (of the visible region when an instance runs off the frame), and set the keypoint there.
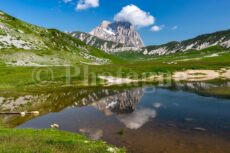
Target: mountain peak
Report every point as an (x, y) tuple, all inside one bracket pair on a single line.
[(124, 24), (105, 23), (119, 32)]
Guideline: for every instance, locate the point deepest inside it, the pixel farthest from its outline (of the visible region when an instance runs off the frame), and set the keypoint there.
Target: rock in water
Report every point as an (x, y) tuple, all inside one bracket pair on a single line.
[(22, 114), (54, 125)]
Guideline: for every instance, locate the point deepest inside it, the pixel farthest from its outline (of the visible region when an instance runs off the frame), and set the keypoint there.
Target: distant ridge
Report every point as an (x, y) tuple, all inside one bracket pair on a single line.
[(220, 38)]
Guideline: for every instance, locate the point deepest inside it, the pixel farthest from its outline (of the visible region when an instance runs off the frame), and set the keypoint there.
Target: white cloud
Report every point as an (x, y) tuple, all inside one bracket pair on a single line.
[(174, 28), (67, 1), (157, 28), (135, 16), (85, 4)]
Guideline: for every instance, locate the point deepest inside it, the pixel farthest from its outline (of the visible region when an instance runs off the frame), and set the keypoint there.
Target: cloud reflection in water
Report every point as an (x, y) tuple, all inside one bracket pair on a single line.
[(138, 118), (94, 134)]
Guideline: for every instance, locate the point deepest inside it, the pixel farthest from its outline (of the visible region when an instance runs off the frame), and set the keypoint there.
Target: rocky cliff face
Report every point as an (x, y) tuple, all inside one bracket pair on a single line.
[(119, 32)]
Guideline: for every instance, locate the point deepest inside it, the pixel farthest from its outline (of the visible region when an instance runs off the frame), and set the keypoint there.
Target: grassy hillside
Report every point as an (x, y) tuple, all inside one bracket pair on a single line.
[(24, 44)]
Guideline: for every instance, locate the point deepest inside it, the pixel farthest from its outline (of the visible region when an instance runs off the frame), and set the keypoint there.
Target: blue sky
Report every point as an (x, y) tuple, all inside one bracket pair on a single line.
[(188, 17)]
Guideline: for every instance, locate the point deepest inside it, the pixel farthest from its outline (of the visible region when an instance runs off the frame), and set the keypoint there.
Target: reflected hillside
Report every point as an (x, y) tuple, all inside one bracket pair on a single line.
[(59, 100), (217, 89)]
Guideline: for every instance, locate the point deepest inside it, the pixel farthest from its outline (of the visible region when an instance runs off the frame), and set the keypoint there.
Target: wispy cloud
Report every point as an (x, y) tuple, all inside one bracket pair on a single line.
[(174, 28), (157, 28), (67, 1), (86, 4), (135, 16)]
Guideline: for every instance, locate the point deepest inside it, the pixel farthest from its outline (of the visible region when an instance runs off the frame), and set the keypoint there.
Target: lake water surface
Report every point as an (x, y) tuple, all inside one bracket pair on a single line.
[(183, 118)]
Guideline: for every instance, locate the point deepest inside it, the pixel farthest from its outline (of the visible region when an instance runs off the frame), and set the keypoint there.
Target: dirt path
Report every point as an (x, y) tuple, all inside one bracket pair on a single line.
[(201, 75), (188, 75), (115, 81)]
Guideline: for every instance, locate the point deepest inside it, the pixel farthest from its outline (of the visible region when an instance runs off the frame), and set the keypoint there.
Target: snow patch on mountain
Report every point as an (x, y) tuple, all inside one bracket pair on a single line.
[(109, 32)]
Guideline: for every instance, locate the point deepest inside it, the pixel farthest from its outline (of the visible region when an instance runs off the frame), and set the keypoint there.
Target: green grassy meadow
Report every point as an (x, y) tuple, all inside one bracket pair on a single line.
[(50, 141), (24, 77)]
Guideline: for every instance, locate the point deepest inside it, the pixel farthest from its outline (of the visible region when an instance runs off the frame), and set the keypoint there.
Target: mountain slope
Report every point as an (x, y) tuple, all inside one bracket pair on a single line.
[(29, 45), (221, 38), (95, 41)]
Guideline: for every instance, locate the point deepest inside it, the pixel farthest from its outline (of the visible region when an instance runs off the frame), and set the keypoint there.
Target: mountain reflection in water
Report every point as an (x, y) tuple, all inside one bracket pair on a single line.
[(124, 102)]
